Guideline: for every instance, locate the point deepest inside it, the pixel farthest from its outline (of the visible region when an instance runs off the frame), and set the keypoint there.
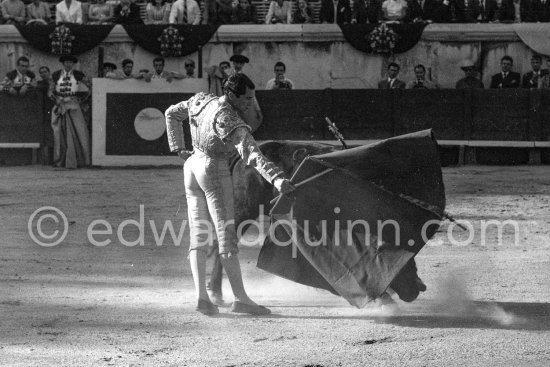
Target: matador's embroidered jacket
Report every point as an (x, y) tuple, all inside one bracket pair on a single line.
[(216, 130)]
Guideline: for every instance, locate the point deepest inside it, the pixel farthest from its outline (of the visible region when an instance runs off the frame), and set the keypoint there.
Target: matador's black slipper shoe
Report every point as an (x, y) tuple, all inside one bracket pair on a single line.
[(207, 308), (240, 307)]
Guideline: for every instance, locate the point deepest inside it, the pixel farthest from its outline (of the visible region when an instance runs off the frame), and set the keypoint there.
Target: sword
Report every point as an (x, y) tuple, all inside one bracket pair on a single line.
[(337, 134)]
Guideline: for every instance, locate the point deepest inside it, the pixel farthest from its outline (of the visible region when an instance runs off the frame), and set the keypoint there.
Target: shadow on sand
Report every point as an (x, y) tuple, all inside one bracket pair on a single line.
[(474, 314)]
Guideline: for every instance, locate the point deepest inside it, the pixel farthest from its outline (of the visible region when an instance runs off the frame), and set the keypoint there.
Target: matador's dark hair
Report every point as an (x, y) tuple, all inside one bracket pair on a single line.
[(237, 83)]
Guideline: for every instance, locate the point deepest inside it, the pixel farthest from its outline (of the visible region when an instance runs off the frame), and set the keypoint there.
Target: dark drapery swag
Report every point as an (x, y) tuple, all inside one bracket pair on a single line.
[(358, 35), (189, 37), (332, 233), (65, 38)]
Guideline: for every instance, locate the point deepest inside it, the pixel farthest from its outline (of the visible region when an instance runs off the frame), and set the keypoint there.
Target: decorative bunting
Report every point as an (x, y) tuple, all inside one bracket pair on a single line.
[(386, 38), (171, 40), (65, 38)]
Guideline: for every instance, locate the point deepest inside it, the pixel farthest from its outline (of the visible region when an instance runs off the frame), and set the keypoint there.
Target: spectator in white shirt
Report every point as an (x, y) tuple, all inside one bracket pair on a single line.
[(280, 11), (394, 10), (68, 11), (185, 12), (279, 82)]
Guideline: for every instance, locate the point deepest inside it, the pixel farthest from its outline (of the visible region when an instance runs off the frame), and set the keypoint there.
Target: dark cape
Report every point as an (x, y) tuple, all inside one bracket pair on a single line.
[(398, 179)]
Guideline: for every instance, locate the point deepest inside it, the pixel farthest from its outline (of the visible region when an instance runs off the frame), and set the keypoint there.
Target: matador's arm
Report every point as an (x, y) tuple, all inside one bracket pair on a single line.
[(175, 115)]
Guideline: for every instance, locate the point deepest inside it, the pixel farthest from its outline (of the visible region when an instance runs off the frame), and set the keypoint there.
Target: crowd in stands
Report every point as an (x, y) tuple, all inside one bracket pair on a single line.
[(278, 11), (536, 78), (21, 80), (65, 87)]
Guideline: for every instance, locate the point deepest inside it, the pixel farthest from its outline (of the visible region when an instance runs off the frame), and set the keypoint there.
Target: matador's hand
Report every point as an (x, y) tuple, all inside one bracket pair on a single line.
[(283, 185), (184, 154)]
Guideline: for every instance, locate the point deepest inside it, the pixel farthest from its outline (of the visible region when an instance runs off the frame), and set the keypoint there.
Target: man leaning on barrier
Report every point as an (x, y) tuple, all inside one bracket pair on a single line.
[(217, 129)]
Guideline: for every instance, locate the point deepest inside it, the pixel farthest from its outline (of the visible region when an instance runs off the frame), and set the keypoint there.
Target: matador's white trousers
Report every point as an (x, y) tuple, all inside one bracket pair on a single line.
[(210, 204)]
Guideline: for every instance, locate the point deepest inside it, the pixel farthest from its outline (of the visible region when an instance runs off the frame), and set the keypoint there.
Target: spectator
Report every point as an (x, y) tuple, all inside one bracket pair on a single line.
[(394, 10), (13, 11), (422, 10), (224, 10), (160, 73), (20, 80), (464, 10), (158, 12), (485, 10), (70, 131), (225, 67), (280, 11), (506, 11), (100, 13), (303, 13), (108, 68), (391, 82), (329, 8), (470, 81), (420, 81), (45, 78), (355, 12), (244, 13), (543, 11), (68, 11), (38, 12), (189, 68), (535, 77), (238, 63), (506, 78), (374, 10), (443, 12), (350, 11), (127, 12), (279, 82), (217, 76), (125, 73), (185, 12)]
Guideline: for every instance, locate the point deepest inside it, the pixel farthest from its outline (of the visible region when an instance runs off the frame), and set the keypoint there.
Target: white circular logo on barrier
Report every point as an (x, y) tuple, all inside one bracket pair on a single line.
[(150, 123)]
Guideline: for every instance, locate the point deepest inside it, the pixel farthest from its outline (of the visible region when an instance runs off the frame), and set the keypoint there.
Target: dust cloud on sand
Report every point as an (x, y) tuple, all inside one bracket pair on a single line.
[(452, 301)]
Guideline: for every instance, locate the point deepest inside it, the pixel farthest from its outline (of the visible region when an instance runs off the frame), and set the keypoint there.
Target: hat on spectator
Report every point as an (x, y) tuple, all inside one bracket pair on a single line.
[(68, 58), (467, 64), (239, 58), (109, 65)]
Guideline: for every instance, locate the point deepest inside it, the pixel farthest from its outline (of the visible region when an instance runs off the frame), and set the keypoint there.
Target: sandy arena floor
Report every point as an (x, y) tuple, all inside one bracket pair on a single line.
[(80, 304)]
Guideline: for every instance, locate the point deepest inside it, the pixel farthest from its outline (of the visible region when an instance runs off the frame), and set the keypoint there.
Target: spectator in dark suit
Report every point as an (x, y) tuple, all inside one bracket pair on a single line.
[(45, 78), (244, 13), (506, 78), (355, 12), (484, 10), (506, 12), (470, 81), (374, 10), (391, 82), (465, 10), (420, 81), (363, 11), (303, 13), (127, 12), (535, 77), (543, 10), (421, 10), (328, 8)]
